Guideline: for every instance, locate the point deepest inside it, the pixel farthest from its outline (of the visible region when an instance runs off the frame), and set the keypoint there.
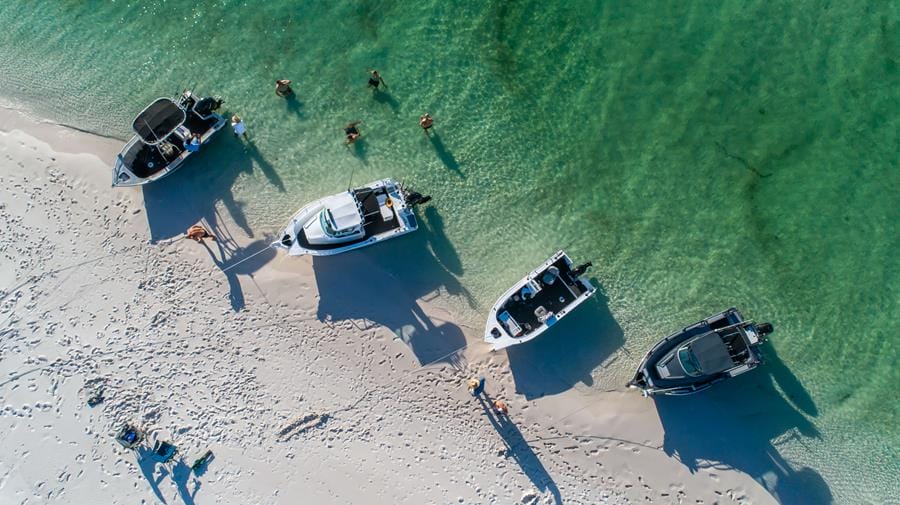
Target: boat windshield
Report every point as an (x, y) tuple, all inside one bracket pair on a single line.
[(688, 361), (327, 222)]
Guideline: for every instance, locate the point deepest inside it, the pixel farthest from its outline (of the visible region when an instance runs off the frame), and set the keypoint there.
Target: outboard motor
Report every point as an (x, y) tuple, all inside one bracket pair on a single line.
[(764, 329), (413, 198), (208, 105), (287, 240), (581, 269)]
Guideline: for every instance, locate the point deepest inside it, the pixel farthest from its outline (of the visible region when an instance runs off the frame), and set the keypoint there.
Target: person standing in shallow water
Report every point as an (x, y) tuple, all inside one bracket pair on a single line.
[(352, 132), (426, 122), (283, 87), (375, 79), (240, 130)]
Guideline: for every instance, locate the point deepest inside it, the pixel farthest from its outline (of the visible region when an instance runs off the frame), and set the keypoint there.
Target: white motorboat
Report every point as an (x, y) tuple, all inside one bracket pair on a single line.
[(164, 131), (537, 302), (356, 218)]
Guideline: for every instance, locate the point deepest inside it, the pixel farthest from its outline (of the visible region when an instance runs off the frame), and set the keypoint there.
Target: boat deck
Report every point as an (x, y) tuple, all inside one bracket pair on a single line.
[(553, 298), (145, 160)]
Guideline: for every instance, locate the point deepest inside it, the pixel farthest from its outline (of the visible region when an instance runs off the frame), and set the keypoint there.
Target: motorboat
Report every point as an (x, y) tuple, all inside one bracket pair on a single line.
[(537, 302), (693, 359), (356, 218), (164, 131)]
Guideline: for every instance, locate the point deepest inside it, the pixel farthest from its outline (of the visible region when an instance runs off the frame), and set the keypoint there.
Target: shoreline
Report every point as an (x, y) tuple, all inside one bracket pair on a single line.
[(273, 362)]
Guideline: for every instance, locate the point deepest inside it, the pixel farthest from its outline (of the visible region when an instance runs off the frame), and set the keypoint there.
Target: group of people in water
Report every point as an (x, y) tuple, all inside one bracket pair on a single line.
[(351, 130)]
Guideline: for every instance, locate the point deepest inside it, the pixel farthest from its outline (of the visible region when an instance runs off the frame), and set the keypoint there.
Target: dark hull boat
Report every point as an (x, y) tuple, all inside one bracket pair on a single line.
[(162, 133), (717, 348)]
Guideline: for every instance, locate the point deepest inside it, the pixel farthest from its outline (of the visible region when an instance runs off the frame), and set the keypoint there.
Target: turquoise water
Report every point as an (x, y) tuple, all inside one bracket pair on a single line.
[(704, 155)]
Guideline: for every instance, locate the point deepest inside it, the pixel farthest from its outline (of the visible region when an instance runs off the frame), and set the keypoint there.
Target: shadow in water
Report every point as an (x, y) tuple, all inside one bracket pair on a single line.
[(384, 284), (444, 155), (294, 105), (267, 169), (234, 261), (438, 242), (181, 474), (191, 194), (518, 449), (385, 98), (734, 424), (360, 149), (566, 354), (147, 463)]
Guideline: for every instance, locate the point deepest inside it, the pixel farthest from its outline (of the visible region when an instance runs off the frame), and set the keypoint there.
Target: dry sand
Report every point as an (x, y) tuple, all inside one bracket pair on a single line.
[(299, 395)]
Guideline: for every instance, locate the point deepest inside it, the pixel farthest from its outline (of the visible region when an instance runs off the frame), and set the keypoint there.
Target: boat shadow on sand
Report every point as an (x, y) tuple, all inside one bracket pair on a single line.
[(518, 449), (192, 194), (569, 352), (384, 285), (739, 423)]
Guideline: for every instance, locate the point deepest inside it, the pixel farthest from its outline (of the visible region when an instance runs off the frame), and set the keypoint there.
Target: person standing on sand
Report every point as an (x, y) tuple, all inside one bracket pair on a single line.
[(476, 385), (375, 79), (197, 233), (283, 87), (240, 130), (426, 122)]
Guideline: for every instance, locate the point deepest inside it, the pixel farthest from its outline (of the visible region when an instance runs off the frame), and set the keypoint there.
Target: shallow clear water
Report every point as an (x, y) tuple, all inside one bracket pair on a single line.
[(702, 156)]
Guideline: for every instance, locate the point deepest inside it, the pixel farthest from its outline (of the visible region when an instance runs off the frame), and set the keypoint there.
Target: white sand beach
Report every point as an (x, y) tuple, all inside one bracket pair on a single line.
[(319, 381)]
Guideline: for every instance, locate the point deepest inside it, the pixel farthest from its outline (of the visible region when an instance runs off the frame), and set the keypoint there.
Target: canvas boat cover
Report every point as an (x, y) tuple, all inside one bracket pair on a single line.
[(158, 120), (711, 353), (344, 210)]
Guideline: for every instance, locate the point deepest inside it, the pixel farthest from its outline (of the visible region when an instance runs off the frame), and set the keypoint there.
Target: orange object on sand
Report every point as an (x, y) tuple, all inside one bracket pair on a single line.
[(501, 407)]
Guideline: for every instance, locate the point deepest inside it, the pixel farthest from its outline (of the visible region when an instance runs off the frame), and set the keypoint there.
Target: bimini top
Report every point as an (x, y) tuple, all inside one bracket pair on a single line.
[(343, 210), (158, 120)]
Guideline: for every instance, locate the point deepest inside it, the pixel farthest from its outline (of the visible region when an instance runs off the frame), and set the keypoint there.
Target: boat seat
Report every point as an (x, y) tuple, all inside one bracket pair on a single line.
[(511, 325), (542, 313), (182, 132), (386, 213), (550, 276)]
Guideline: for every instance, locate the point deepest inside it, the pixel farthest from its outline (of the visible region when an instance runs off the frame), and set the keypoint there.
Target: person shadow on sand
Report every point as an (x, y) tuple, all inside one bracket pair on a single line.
[(181, 474), (518, 449)]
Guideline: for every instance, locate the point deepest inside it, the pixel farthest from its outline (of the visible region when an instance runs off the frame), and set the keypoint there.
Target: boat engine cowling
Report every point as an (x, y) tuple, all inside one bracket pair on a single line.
[(764, 329), (208, 105), (581, 269), (414, 198)]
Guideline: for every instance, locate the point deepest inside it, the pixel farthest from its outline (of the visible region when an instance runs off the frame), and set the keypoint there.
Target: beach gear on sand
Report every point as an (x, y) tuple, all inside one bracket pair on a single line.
[(201, 461), (164, 451), (130, 437)]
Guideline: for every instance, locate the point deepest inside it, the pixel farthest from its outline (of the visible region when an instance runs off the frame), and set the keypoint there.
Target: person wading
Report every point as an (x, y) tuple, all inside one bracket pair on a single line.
[(283, 87), (426, 122), (375, 79)]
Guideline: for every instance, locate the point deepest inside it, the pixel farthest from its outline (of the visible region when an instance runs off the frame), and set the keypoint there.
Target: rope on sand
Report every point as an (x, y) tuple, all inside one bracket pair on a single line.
[(247, 258)]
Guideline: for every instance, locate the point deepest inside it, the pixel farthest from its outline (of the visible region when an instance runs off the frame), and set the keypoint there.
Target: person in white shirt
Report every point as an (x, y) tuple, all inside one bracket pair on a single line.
[(237, 124)]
